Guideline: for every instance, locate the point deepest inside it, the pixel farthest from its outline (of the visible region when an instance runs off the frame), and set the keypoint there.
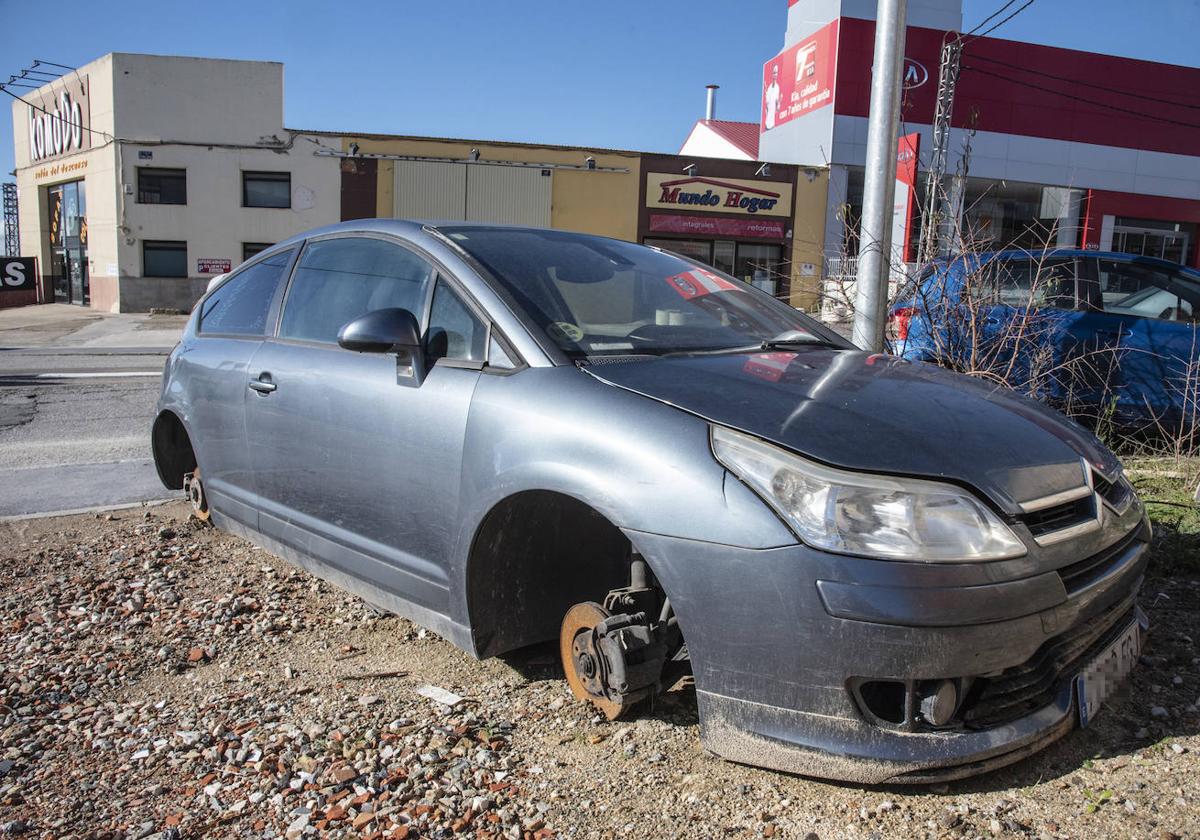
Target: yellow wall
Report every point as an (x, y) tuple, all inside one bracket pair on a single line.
[(607, 203), (808, 237), (604, 203)]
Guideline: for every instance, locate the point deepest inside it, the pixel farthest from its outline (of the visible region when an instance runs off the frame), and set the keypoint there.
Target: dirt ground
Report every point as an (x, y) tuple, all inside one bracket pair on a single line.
[(159, 678)]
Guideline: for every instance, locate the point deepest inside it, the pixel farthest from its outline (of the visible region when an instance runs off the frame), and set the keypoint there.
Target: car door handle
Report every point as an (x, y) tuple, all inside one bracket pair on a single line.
[(263, 384)]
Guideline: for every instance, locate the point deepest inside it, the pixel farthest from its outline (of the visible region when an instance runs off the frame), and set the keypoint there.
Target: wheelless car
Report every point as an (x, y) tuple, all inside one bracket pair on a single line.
[(1117, 331), (877, 570)]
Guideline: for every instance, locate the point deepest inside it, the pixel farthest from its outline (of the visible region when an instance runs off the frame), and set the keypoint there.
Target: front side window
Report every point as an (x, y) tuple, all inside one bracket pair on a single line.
[(594, 296), (338, 280), (164, 259), (267, 189), (454, 331), (1145, 291), (241, 304), (161, 186)]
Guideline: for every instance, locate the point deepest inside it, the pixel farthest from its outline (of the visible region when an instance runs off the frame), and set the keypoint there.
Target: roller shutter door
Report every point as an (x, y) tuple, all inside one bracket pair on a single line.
[(509, 195), (430, 190)]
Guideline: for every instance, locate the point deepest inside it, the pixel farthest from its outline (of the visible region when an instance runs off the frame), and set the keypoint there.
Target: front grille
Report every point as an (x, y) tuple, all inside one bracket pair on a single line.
[(1058, 517), (1025, 688), (1084, 572)]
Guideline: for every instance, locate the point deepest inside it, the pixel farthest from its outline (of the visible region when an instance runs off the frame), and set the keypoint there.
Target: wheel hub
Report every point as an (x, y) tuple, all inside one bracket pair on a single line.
[(584, 665), (193, 489)]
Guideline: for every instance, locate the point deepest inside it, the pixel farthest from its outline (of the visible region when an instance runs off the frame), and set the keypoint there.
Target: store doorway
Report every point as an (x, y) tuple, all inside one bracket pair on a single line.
[(1147, 238), (759, 264), (67, 206)]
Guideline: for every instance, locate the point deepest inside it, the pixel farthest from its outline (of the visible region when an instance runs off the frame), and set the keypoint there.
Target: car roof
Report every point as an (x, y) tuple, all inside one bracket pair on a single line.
[(1052, 253)]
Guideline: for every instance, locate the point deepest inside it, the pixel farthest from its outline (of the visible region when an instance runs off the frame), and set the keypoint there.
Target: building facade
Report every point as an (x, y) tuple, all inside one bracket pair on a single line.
[(1048, 146), (142, 177)]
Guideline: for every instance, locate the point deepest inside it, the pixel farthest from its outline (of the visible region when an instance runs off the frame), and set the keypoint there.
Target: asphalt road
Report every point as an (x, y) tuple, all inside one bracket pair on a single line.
[(75, 430)]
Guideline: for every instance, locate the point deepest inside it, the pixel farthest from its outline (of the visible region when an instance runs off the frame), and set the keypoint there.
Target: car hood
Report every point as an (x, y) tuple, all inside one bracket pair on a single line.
[(876, 413)]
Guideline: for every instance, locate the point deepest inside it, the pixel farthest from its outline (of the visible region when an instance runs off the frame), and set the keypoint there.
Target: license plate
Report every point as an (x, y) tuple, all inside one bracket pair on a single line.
[(1104, 673)]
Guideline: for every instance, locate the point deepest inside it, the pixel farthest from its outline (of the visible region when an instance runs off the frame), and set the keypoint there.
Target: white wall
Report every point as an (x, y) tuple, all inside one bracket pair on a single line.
[(213, 222), (197, 99), (1037, 160), (807, 16)]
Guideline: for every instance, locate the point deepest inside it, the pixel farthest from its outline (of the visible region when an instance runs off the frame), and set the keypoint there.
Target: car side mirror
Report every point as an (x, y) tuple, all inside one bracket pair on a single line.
[(393, 330), (381, 331)]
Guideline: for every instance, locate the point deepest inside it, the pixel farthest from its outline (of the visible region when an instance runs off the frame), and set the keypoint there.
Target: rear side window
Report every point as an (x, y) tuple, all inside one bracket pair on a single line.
[(241, 305), (339, 280), (1031, 283)]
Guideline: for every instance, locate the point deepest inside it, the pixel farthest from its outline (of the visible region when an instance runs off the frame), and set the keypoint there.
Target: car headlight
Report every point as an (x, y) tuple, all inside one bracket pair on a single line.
[(869, 515)]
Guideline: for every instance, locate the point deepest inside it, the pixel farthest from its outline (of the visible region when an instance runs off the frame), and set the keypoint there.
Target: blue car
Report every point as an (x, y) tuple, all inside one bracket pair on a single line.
[(1098, 334)]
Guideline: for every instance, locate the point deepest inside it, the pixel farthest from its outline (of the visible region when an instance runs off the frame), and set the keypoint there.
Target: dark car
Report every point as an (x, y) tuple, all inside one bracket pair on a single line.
[(1115, 334), (877, 570)]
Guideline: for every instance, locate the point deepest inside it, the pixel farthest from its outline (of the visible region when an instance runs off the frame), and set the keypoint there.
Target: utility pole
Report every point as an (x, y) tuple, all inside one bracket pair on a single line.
[(12, 225), (931, 224), (879, 189)]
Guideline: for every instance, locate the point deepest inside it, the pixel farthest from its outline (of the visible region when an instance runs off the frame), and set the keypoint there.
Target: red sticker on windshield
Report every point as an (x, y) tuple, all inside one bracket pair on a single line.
[(698, 282)]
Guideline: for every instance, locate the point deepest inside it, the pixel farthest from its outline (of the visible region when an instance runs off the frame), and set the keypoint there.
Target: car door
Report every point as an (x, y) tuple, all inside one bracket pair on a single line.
[(232, 325), (1142, 325), (356, 467), (1026, 308)]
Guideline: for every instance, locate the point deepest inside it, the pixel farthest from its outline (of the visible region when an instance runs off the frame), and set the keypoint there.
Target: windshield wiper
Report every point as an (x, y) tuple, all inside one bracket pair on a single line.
[(783, 341), (778, 343)]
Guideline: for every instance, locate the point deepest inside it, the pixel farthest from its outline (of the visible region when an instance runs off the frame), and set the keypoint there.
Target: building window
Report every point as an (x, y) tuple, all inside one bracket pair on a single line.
[(164, 259), (161, 186), (249, 249), (267, 189)]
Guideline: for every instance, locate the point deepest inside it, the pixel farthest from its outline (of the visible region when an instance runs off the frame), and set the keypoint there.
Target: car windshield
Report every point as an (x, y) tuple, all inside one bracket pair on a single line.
[(598, 297)]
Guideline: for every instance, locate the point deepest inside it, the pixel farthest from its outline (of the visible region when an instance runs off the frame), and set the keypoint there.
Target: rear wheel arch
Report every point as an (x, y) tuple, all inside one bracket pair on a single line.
[(174, 456)]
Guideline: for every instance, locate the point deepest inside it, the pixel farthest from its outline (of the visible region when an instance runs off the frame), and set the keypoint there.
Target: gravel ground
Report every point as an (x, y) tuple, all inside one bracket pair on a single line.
[(161, 679)]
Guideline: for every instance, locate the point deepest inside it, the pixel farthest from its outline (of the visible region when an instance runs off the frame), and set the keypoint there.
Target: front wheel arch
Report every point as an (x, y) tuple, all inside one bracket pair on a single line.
[(535, 554)]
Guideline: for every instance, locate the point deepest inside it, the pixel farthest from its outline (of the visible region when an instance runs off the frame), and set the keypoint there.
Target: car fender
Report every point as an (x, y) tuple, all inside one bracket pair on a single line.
[(644, 465)]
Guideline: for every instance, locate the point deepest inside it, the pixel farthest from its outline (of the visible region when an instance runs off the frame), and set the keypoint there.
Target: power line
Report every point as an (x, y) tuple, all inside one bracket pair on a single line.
[(996, 26), (983, 22), (88, 129), (1076, 98), (1144, 96)]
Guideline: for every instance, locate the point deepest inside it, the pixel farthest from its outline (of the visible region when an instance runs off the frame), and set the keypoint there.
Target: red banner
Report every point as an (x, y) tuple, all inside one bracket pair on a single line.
[(736, 228), (907, 157), (800, 79)]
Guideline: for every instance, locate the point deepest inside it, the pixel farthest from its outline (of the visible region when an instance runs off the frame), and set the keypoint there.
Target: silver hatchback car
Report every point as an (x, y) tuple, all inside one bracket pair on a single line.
[(876, 570)]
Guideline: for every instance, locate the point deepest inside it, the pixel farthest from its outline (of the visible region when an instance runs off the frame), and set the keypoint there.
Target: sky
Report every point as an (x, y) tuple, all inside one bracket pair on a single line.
[(627, 74)]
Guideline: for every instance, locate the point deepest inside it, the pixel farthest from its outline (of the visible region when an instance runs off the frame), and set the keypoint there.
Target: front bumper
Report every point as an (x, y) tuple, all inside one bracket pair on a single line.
[(775, 654)]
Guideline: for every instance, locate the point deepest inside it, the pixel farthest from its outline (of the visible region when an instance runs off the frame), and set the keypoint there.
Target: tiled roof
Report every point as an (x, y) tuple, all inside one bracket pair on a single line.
[(744, 135)]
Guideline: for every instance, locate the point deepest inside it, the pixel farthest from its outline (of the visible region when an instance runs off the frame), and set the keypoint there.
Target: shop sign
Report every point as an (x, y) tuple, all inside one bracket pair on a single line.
[(915, 73), (730, 196), (59, 121), (718, 228), (800, 79), (65, 169), (18, 274), (212, 265)]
